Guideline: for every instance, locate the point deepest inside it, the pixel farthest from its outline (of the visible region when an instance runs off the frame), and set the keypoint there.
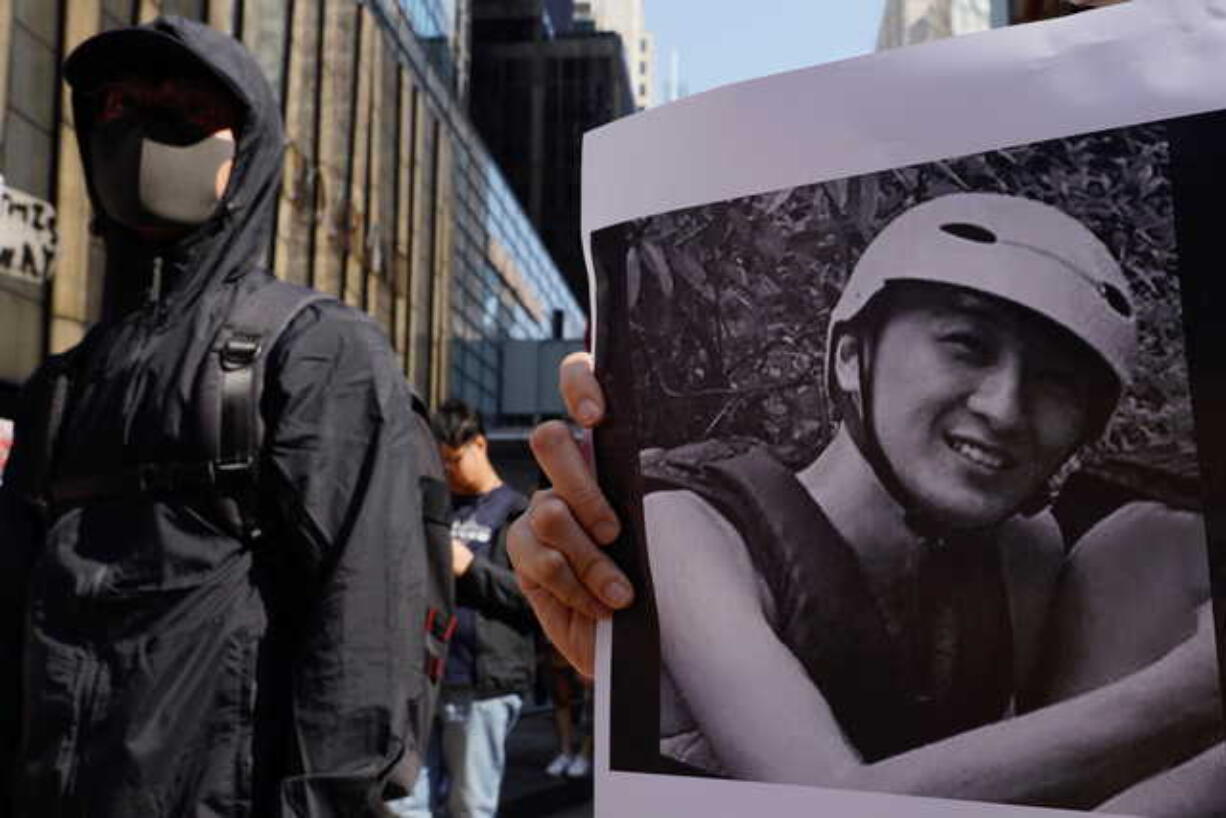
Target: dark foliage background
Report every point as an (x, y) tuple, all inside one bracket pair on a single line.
[(729, 302)]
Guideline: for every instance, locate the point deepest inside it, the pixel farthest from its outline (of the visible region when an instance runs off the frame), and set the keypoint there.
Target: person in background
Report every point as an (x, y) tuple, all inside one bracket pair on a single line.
[(490, 662), (572, 718)]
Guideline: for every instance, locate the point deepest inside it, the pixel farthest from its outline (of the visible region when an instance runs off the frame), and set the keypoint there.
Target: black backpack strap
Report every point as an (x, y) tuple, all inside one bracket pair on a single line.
[(231, 423)]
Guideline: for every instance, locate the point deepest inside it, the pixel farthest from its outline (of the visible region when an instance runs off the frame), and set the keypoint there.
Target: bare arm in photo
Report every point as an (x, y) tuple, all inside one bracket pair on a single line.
[(1134, 587), (776, 725), (1129, 592), (1194, 789)]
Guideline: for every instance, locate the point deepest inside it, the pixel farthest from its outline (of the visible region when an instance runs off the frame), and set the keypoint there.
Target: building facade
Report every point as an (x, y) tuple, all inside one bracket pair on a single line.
[(907, 22), (534, 93), (389, 200), (626, 19)]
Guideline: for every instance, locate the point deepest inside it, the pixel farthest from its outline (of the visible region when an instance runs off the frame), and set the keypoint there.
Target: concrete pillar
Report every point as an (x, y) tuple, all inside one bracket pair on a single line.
[(221, 15), (6, 32), (356, 216), (335, 105), (296, 209), (402, 253), (70, 286)]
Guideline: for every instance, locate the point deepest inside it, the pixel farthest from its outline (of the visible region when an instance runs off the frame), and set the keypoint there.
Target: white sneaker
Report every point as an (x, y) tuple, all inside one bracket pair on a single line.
[(579, 767), (559, 765)]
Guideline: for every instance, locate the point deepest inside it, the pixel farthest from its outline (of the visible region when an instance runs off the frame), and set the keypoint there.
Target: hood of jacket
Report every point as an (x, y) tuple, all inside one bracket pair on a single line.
[(226, 246), (136, 372)]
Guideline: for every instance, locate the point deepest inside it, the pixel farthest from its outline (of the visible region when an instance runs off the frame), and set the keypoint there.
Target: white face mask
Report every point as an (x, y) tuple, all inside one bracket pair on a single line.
[(179, 184), (142, 181)]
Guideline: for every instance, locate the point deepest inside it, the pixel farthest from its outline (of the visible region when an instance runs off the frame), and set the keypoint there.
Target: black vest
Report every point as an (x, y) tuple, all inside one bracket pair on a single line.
[(944, 669)]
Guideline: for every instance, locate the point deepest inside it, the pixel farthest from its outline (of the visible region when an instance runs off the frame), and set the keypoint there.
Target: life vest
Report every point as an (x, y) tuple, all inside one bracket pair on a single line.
[(892, 685)]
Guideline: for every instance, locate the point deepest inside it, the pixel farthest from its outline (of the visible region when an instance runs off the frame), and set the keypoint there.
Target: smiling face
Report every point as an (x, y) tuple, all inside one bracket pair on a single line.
[(976, 402)]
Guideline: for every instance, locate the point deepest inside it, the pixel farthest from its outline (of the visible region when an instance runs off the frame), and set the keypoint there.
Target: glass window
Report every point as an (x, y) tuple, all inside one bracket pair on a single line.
[(27, 157), (117, 13), (40, 17), (29, 121), (193, 9), (264, 30), (32, 78)]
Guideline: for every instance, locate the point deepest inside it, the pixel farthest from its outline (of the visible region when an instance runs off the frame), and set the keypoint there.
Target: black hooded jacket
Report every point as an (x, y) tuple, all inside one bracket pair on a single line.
[(154, 661)]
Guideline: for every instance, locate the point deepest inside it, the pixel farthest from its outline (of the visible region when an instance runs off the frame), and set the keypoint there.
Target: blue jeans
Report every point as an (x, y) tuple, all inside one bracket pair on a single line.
[(471, 752)]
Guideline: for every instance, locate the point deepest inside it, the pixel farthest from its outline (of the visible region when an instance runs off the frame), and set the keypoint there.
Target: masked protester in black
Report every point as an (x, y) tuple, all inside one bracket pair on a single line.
[(156, 660)]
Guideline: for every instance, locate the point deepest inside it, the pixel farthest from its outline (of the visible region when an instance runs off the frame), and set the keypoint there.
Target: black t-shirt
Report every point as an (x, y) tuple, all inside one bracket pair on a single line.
[(475, 521)]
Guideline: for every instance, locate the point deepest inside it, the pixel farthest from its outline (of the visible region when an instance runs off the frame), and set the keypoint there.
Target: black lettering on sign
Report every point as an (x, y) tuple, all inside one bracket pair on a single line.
[(24, 210), (29, 263), (48, 257), (37, 221), (6, 257)]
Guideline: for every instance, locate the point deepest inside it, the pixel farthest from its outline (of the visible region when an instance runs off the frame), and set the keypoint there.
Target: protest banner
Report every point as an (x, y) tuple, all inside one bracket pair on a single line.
[(979, 230)]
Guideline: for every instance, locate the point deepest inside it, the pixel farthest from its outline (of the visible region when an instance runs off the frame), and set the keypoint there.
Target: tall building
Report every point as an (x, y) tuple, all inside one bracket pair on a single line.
[(626, 19), (390, 201), (906, 22), (534, 93)]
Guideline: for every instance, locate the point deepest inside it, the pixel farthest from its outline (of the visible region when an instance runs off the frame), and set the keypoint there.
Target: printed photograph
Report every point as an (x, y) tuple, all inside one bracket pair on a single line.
[(916, 484)]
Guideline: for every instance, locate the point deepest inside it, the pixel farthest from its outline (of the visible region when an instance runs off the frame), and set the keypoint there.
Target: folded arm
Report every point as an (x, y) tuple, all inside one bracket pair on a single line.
[(492, 589), (1194, 789)]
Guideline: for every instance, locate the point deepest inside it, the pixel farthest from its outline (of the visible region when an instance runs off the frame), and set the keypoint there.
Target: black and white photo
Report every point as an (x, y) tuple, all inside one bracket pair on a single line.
[(904, 439), (919, 459)]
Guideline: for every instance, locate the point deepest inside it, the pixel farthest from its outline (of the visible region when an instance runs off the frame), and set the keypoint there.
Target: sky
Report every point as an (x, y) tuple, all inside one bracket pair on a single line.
[(723, 41)]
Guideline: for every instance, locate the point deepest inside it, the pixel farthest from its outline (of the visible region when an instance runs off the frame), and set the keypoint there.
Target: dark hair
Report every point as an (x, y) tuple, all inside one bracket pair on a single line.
[(456, 423)]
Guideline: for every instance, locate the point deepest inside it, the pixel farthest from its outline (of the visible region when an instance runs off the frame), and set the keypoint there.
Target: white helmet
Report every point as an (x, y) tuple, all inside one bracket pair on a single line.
[(1017, 249)]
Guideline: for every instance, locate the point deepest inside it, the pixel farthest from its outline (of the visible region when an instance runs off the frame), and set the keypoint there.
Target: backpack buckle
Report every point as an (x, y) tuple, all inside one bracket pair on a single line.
[(441, 625), (156, 478), (434, 668), (239, 351)]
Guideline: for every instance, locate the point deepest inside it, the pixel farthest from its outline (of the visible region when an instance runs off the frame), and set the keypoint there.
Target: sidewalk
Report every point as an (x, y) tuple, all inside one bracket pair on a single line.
[(527, 792)]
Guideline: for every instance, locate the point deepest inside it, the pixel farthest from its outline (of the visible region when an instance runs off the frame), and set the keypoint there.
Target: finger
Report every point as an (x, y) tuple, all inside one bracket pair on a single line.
[(538, 565), (573, 634), (580, 390), (554, 526), (560, 458)]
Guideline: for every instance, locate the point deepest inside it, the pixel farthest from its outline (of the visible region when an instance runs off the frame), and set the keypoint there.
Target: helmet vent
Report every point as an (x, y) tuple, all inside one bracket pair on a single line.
[(1115, 299), (970, 232)]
